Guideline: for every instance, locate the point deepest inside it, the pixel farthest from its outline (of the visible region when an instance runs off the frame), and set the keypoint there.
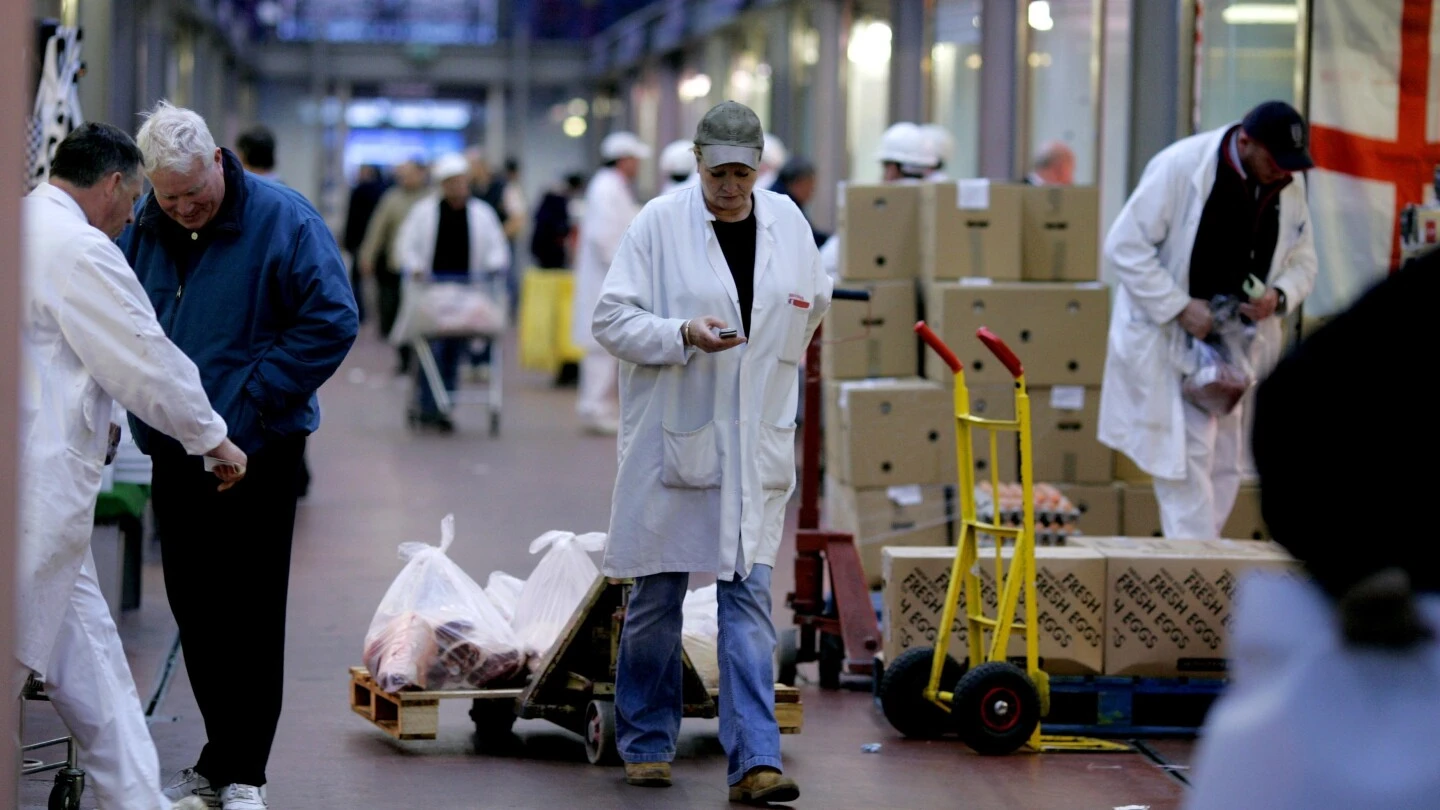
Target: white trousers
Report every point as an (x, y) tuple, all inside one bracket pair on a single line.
[(1197, 507), (599, 378), (89, 685)]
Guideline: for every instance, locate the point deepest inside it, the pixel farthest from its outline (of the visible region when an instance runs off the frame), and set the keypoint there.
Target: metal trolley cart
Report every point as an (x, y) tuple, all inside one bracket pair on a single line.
[(446, 324), (69, 779), (994, 705)]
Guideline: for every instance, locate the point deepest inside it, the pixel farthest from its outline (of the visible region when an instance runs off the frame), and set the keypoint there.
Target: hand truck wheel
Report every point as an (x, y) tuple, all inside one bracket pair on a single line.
[(832, 660), (902, 693), (494, 721), (787, 655), (69, 786), (600, 733), (996, 708)]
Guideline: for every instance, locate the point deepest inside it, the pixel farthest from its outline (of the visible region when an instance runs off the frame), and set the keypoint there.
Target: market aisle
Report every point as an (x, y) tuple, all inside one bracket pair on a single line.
[(376, 485)]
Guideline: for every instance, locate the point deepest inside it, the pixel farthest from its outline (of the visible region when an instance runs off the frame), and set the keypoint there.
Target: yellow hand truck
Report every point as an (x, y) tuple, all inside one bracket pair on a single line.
[(994, 705)]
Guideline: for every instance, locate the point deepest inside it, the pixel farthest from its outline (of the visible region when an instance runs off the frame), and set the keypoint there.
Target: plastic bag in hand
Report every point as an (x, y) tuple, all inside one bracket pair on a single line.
[(556, 588), (504, 591), (436, 629), (700, 633), (1217, 370)]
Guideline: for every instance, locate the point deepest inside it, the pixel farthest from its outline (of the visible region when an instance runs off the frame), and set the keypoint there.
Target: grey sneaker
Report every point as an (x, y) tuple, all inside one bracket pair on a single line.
[(189, 783), (243, 797)]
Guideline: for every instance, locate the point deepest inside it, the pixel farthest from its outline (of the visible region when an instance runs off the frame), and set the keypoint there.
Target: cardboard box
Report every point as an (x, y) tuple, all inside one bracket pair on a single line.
[(1170, 602), (879, 232), (892, 516), (1246, 522), (1127, 471), (882, 433), (874, 338), (1057, 330), (1063, 422), (1061, 234), (1140, 512), (1099, 506), (1070, 595), (970, 229)]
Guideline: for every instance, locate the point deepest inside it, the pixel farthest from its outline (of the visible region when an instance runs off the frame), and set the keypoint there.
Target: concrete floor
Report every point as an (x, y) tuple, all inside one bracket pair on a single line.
[(376, 485)]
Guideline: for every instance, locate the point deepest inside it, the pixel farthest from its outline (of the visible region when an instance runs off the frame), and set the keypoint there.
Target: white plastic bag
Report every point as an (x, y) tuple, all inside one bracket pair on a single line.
[(504, 591), (558, 586), (700, 633), (446, 309), (435, 628)]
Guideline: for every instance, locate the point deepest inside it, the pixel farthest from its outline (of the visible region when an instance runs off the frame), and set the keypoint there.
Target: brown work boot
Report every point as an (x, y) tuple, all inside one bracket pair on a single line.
[(648, 774), (763, 785)]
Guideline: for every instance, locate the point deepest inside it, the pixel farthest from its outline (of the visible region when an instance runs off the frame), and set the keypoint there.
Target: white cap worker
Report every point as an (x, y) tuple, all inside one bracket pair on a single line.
[(89, 334), (677, 163), (906, 155), (609, 208), (772, 159), (1210, 212), (942, 147), (1054, 165), (709, 304)]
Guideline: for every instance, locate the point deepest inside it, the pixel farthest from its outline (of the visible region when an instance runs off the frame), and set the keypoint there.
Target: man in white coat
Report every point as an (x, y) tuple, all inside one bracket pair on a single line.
[(89, 334), (677, 163), (1217, 214), (609, 209), (709, 305)]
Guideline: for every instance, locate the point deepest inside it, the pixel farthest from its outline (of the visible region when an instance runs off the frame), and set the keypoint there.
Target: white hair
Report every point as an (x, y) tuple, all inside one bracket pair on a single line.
[(174, 138)]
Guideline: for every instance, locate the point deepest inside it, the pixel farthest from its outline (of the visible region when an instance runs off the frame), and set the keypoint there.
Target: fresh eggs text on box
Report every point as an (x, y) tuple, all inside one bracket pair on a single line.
[(1069, 588), (1171, 602)]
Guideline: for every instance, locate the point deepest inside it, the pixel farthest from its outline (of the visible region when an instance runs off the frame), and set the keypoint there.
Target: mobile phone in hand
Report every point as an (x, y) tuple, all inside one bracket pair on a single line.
[(727, 334)]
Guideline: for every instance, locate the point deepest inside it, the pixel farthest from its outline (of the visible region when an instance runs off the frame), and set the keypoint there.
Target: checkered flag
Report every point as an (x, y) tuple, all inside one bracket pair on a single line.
[(57, 103)]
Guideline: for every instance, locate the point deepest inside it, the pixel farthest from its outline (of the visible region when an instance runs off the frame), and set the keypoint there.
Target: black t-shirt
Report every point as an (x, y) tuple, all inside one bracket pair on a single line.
[(452, 242), (737, 242)]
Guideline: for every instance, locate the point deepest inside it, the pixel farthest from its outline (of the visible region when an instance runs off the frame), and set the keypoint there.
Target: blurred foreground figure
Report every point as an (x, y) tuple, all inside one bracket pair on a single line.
[(1337, 680)]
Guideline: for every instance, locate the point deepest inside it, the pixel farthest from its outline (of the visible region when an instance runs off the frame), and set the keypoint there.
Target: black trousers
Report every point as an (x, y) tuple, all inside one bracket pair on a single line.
[(227, 572)]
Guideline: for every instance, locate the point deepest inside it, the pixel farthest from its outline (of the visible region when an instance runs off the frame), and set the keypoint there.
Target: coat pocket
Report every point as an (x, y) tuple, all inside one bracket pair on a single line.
[(793, 348), (692, 459), (777, 457)]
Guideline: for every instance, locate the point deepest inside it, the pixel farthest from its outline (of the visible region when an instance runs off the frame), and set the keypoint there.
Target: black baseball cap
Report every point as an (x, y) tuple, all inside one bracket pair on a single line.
[(1279, 128)]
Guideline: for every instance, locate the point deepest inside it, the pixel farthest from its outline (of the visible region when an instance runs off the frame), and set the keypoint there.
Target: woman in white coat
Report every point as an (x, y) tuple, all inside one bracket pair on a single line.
[(610, 207), (88, 333), (707, 441)]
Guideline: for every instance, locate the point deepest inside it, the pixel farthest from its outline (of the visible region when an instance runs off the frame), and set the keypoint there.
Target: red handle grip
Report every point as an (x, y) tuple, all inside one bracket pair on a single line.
[(934, 341), (998, 348)]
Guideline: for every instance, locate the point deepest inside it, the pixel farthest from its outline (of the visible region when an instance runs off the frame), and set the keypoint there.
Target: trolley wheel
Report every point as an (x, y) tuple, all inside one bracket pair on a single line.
[(832, 660), (787, 655), (69, 786), (600, 733), (902, 693), (494, 720), (996, 708), (494, 424)]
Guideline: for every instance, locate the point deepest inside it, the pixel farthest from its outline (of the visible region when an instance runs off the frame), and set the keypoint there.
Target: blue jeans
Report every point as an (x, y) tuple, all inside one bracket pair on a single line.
[(447, 353), (648, 680)]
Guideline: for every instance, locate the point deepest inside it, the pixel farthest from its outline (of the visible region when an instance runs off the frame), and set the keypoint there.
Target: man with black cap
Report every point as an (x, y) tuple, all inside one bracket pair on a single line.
[(1217, 217)]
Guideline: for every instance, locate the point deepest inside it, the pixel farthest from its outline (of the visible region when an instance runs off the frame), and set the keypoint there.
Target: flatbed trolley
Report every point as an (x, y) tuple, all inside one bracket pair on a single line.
[(428, 371), (69, 779), (842, 633), (994, 705)]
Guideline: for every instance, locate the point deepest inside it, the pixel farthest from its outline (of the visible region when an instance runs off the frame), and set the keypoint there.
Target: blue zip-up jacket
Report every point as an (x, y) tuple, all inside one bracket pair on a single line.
[(266, 312)]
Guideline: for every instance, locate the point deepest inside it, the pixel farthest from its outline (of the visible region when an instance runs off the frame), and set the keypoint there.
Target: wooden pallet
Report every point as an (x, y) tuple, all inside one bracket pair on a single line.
[(415, 715)]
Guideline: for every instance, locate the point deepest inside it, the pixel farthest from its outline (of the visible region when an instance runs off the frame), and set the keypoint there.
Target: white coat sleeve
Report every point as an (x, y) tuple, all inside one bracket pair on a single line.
[(830, 257), (608, 221), (409, 249), (108, 322), (1297, 274), (824, 287), (625, 323), (497, 246), (1132, 246)]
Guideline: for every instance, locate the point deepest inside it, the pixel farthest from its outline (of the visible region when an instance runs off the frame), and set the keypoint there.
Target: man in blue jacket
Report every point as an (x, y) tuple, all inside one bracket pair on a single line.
[(248, 282)]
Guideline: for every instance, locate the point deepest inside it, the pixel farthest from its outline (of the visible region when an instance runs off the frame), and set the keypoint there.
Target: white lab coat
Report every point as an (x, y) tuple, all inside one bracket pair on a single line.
[(1310, 723), (1148, 251), (414, 251), (707, 441), (610, 207), (88, 333)]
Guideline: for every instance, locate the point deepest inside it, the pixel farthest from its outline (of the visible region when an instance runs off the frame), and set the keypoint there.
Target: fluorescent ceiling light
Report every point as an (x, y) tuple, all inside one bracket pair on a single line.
[(1261, 14), (1038, 15)]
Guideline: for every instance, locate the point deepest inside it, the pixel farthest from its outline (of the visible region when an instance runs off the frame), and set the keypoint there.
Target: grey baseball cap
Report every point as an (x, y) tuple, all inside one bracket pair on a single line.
[(730, 133)]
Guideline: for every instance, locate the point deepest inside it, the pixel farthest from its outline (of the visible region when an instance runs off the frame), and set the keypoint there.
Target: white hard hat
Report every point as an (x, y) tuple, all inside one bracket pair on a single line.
[(448, 166), (942, 145), (905, 144), (774, 155), (678, 158), (622, 145)]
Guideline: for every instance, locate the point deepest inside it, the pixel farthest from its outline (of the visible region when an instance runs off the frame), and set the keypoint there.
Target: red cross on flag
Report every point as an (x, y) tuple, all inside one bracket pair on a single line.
[(1375, 136)]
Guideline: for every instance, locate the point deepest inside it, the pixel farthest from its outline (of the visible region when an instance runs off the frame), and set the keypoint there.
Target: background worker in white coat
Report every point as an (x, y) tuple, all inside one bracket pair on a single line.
[(677, 163), (707, 442), (89, 334), (906, 155), (772, 160), (1209, 212), (609, 209)]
